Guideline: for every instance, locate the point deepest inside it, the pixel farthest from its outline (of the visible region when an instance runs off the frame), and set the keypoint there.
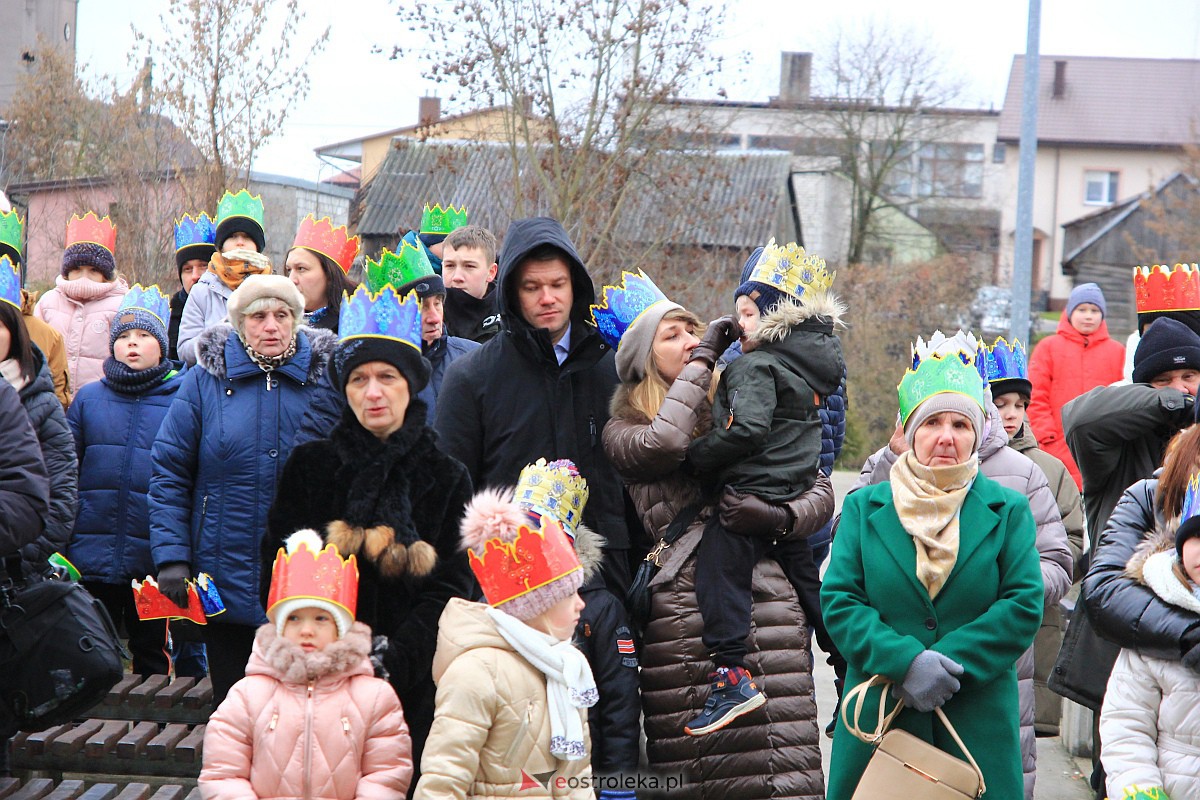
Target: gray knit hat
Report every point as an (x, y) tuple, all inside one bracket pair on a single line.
[(1086, 293), (638, 340), (945, 401)]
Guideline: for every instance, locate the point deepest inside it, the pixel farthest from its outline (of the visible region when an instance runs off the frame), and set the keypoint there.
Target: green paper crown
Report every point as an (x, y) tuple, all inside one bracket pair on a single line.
[(443, 220), (398, 269), (242, 204), (11, 226), (936, 374)]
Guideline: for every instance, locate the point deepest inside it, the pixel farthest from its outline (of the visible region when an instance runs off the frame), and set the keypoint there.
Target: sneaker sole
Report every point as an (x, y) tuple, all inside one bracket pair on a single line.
[(738, 711)]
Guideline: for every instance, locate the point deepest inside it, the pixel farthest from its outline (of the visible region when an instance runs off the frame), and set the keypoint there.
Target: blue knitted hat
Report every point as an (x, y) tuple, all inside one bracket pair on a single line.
[(764, 296), (130, 318)]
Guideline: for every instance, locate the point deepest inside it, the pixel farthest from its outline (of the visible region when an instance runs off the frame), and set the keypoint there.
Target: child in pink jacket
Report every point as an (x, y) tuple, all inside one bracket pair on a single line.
[(310, 719)]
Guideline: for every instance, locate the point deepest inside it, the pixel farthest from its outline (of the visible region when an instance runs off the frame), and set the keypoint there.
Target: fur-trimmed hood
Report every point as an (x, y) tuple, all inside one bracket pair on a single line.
[(1155, 565), (281, 659), (800, 337), (314, 348), (823, 310)]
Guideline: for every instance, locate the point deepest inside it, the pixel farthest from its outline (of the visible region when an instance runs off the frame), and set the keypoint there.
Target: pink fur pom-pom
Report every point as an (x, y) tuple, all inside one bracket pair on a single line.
[(491, 514)]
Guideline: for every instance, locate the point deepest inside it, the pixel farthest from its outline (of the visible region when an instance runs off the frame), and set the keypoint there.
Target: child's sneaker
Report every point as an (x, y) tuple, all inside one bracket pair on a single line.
[(733, 694)]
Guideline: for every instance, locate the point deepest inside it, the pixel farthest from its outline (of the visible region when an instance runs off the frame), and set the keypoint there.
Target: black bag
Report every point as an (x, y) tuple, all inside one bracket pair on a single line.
[(59, 653), (637, 596)]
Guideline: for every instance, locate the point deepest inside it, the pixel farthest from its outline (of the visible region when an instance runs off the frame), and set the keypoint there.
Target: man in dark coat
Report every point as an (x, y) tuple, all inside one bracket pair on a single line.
[(540, 389)]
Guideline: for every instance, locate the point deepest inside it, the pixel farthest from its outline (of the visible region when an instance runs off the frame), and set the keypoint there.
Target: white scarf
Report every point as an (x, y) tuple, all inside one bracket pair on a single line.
[(10, 370), (569, 681)]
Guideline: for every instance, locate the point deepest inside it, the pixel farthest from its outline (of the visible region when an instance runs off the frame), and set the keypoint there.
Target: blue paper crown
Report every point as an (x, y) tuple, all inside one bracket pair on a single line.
[(1006, 361), (10, 282), (147, 298), (620, 306), (194, 230), (382, 316)]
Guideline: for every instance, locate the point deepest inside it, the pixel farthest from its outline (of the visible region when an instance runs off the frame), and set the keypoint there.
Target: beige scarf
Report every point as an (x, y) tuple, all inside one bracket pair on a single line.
[(928, 501)]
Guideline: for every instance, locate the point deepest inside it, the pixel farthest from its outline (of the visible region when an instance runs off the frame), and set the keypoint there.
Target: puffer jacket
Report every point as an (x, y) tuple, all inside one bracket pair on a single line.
[(776, 752), (62, 467), (1150, 721), (491, 731), (114, 432), (769, 442), (24, 488), (82, 311), (1047, 703), (206, 306), (50, 342), (314, 725), (1061, 368), (1012, 470), (218, 458)]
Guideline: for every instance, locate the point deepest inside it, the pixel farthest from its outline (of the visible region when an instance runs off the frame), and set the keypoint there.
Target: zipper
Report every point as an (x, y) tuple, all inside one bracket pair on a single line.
[(308, 720), (592, 428), (732, 403), (274, 721), (519, 738)]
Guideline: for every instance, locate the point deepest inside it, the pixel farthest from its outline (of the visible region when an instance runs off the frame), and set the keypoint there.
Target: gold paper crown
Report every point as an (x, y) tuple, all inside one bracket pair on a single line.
[(790, 270), (556, 489)]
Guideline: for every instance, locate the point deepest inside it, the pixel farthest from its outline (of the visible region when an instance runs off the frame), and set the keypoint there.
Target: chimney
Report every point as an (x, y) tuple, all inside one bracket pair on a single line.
[(1060, 79), (795, 79), (429, 110)]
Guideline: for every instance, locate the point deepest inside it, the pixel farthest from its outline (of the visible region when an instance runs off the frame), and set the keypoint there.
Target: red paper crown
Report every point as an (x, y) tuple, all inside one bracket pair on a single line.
[(90, 228), (152, 604), (335, 243), (1163, 288), (508, 570), (318, 576)]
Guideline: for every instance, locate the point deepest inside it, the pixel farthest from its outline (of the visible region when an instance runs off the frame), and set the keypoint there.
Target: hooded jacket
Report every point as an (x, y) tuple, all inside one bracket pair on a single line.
[(317, 725), (491, 733), (1150, 721), (508, 402), (470, 317), (769, 441), (82, 313), (218, 458), (1061, 368), (206, 306), (50, 342)]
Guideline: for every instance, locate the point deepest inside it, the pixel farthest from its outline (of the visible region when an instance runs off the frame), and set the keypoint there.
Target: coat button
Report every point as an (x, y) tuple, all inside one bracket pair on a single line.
[(930, 623), (273, 453)]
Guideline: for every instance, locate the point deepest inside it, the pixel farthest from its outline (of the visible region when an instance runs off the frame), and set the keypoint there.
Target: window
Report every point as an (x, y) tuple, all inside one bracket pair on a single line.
[(998, 153), (1099, 187), (950, 170), (900, 177)]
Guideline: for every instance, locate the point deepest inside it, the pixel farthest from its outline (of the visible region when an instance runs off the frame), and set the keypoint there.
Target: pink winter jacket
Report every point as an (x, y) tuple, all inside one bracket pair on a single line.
[(318, 726), (82, 311)]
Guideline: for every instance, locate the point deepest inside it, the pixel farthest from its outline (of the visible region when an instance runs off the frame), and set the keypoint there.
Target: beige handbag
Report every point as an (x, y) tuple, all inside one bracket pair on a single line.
[(903, 766)]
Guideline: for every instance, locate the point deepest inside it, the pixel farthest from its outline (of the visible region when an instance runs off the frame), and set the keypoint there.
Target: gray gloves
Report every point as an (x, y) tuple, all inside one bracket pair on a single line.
[(931, 680), (172, 582), (720, 334)]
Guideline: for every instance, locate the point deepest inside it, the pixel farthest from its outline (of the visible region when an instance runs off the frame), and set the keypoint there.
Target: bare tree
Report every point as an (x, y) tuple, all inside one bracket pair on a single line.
[(1172, 217)]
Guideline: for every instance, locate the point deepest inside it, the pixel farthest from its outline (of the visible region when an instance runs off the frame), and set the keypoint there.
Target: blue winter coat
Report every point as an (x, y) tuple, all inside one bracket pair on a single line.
[(114, 432), (218, 458)]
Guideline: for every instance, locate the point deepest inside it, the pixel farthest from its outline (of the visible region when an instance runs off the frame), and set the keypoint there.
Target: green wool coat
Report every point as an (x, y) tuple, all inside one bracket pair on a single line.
[(985, 616)]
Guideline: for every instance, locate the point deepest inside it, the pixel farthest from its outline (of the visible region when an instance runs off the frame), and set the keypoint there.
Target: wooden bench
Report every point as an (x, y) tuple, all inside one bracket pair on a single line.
[(46, 789)]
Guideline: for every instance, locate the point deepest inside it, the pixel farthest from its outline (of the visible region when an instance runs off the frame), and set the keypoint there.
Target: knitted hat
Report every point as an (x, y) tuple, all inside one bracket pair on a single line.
[(945, 401), (1167, 344), (429, 286), (256, 287), (89, 254), (637, 342), (311, 574), (228, 227), (351, 353), (627, 318), (1086, 293), (381, 327), (764, 296), (1189, 318), (142, 308)]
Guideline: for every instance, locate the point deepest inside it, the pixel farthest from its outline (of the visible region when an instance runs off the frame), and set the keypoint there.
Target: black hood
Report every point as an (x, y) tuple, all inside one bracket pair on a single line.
[(525, 236)]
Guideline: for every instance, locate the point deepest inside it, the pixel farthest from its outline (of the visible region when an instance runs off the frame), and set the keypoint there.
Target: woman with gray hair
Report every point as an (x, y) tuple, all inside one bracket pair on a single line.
[(219, 454)]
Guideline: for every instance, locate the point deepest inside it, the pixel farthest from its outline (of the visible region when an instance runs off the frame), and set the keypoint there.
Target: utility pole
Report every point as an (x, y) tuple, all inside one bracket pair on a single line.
[(1022, 277)]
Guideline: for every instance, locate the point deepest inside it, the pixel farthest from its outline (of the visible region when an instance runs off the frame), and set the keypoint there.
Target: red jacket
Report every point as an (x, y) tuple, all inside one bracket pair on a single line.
[(1064, 366)]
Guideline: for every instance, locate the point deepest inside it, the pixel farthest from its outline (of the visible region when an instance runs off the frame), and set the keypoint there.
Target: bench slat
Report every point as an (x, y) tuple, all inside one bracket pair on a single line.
[(162, 746), (191, 748), (105, 740), (134, 791), (171, 791), (67, 790), (8, 786), (72, 741), (172, 694), (199, 696), (35, 743), (36, 789), (116, 695), (133, 743), (100, 791), (143, 693)]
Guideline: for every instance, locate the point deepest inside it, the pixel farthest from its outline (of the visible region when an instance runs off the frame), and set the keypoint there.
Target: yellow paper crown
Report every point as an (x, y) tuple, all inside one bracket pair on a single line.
[(789, 269)]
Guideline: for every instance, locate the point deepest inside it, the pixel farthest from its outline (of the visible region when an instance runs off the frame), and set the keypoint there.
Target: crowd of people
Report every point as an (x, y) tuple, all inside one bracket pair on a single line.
[(430, 503)]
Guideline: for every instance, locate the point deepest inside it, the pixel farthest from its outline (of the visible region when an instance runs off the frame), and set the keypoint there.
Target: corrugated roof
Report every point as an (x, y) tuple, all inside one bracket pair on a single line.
[(715, 199), (1122, 102)]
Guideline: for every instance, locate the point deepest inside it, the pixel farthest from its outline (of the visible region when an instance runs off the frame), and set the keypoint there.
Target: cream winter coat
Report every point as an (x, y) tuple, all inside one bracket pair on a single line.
[(1150, 720), (491, 727), (82, 311), (319, 726)]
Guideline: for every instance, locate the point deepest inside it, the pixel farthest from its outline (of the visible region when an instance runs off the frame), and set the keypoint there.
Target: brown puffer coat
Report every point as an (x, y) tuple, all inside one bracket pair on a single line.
[(774, 752)]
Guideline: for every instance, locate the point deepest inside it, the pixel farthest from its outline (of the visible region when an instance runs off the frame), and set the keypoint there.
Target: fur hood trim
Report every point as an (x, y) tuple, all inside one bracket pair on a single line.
[(210, 349), (346, 657), (379, 546), (620, 407), (1156, 566), (779, 321), (1159, 541)]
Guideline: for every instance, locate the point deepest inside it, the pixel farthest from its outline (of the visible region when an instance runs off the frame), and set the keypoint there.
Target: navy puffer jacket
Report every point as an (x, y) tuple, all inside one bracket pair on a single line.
[(218, 458), (114, 432)]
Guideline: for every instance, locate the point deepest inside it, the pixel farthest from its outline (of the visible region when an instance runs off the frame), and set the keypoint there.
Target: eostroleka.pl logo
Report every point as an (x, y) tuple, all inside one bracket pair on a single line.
[(613, 782)]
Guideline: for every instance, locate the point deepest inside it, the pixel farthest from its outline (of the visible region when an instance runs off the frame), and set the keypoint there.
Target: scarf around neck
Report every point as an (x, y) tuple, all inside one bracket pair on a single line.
[(235, 266), (569, 682), (10, 370), (121, 378), (271, 363), (928, 501)]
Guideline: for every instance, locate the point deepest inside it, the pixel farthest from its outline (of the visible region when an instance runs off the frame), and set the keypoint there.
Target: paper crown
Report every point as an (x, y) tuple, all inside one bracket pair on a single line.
[(442, 220), (1162, 288), (620, 306), (1136, 792), (322, 575), (93, 229), (1006, 361), (242, 204), (943, 345), (382, 315), (957, 373), (148, 298), (11, 226), (507, 570), (334, 243), (204, 600), (406, 265), (555, 489), (10, 282), (191, 231), (790, 270)]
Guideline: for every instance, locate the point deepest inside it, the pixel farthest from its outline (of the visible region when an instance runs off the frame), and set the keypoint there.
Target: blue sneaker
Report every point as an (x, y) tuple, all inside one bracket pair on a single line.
[(733, 694)]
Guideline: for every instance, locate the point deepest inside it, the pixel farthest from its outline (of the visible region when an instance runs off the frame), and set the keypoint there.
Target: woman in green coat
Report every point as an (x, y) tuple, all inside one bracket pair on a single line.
[(934, 583)]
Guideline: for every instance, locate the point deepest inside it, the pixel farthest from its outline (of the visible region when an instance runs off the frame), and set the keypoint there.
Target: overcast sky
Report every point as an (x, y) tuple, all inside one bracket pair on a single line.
[(356, 91)]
